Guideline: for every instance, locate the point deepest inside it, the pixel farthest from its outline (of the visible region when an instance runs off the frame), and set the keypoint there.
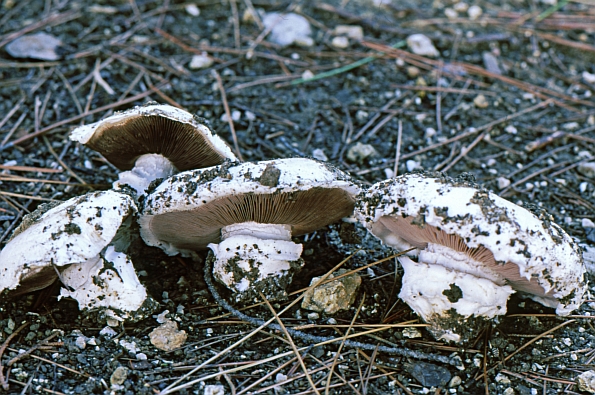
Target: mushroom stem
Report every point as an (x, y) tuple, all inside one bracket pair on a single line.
[(445, 298), (252, 252), (108, 280), (147, 168)]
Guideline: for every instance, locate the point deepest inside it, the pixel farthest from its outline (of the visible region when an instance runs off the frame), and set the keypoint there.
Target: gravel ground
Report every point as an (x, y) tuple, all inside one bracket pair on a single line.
[(508, 98)]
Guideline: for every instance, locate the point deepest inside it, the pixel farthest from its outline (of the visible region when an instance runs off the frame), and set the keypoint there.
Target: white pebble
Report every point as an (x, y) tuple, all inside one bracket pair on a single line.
[(412, 165), (340, 42), (588, 77), (319, 155), (510, 129), (235, 116), (354, 32), (587, 223), (474, 12), (307, 75), (450, 13), (422, 45), (200, 61), (250, 116), (287, 29), (192, 9)]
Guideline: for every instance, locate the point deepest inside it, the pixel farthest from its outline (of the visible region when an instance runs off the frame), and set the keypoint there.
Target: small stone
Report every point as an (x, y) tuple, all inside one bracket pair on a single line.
[(587, 169), (588, 77), (216, 389), (411, 333), (583, 186), (162, 317), (331, 297), (474, 12), (502, 379), (36, 46), (107, 332), (412, 71), (430, 132), (131, 347), (461, 6), (509, 391), (167, 337), (119, 376), (340, 42), (587, 223), (250, 116), (288, 29), (81, 342), (319, 155), (586, 381), (412, 165), (455, 382), (307, 75), (511, 129), (359, 151), (480, 101), (490, 61), (428, 374), (280, 377), (361, 115), (235, 116), (102, 9), (192, 9), (354, 32), (202, 61), (450, 13), (250, 15), (503, 182), (420, 44), (313, 316), (571, 126)]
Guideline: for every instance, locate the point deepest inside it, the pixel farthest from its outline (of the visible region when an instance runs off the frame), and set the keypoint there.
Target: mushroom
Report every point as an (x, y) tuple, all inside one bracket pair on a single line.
[(153, 141), (81, 242), (471, 250), (247, 214)]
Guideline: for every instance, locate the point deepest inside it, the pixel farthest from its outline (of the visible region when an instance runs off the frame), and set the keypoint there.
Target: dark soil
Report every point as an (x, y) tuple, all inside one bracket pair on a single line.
[(536, 128)]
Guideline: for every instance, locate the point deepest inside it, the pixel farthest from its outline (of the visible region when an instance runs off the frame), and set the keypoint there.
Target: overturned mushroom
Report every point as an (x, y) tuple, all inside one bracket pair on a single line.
[(472, 249), (247, 215), (81, 242), (153, 141)]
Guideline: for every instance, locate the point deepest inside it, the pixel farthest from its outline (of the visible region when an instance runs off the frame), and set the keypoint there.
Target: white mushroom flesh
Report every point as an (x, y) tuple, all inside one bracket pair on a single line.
[(108, 281), (74, 232), (250, 253), (147, 168), (533, 256), (433, 292)]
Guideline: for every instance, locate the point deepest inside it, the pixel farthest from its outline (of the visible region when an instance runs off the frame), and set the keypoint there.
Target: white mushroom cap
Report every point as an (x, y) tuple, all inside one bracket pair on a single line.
[(154, 129), (108, 281), (515, 247), (187, 211), (76, 231)]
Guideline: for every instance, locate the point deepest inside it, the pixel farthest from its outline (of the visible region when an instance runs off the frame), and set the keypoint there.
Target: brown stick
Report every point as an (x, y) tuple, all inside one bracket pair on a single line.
[(3, 381)]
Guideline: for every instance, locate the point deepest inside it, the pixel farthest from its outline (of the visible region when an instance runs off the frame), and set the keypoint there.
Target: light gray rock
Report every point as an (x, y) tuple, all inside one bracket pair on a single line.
[(331, 297), (587, 169), (288, 29), (422, 45), (358, 152), (167, 337), (586, 381), (36, 46)]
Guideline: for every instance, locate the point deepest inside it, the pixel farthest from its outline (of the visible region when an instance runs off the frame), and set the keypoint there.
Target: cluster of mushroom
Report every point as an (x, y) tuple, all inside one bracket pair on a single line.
[(469, 249)]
